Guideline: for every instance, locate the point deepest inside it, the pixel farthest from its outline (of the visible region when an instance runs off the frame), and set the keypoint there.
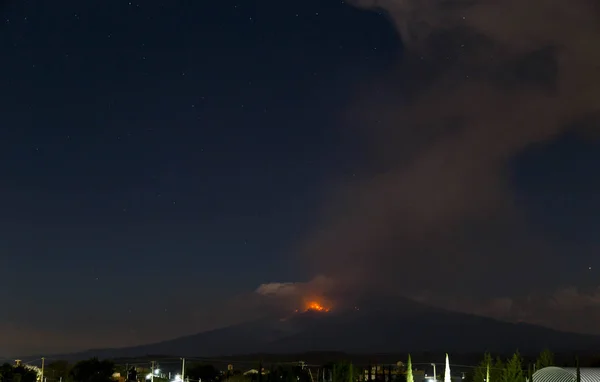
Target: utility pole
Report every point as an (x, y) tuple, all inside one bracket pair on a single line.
[(42, 377), (434, 373), (152, 372), (182, 369)]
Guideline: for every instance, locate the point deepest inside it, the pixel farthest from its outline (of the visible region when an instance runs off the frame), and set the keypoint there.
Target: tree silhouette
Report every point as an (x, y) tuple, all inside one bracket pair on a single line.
[(203, 372), (344, 372), (132, 374), (513, 371), (58, 370), (545, 359), (287, 373), (409, 371), (93, 370), (483, 371), (8, 373)]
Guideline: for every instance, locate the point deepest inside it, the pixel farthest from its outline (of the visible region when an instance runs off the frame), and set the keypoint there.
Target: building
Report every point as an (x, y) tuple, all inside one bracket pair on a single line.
[(569, 374)]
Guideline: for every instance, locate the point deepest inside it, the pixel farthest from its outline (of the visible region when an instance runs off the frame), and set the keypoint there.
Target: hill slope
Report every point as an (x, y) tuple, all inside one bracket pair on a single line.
[(407, 326)]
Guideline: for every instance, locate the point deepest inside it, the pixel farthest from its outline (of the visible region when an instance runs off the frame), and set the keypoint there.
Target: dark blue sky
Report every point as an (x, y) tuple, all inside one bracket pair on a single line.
[(557, 187), (154, 152), (168, 155)]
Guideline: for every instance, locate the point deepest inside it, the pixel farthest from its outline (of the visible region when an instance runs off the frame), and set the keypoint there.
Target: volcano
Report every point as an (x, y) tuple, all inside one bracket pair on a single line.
[(382, 326)]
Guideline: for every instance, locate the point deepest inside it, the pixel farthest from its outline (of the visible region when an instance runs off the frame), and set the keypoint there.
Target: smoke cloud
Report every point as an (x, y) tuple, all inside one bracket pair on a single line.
[(296, 295), (568, 308), (480, 82)]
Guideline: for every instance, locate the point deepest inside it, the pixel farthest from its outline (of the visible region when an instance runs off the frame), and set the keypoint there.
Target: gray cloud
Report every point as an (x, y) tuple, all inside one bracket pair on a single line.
[(481, 81), (568, 308)]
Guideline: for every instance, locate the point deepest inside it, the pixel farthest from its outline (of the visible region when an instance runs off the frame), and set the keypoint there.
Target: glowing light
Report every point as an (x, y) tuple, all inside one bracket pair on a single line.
[(316, 307)]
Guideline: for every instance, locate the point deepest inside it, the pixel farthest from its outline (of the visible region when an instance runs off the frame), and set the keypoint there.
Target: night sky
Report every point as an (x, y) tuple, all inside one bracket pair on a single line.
[(161, 160)]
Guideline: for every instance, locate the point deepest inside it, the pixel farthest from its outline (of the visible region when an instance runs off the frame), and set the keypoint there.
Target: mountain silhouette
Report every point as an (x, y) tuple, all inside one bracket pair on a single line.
[(380, 326)]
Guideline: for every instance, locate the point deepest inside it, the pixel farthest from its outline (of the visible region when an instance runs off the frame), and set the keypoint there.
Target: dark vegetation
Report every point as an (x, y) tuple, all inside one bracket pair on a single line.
[(514, 368), (8, 373)]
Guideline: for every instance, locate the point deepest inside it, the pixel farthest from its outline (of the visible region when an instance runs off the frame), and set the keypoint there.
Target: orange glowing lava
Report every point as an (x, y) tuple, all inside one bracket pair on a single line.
[(316, 307)]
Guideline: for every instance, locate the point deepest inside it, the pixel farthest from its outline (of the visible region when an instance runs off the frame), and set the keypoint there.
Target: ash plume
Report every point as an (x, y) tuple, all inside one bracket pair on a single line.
[(480, 82)]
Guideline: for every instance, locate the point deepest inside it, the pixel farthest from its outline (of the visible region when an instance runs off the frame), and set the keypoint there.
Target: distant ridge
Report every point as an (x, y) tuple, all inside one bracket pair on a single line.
[(404, 326)]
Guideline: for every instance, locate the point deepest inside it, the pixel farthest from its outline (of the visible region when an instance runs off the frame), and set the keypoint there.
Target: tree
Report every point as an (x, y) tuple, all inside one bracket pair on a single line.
[(447, 376), (485, 370), (513, 371), (497, 372), (260, 371), (287, 373), (238, 378), (545, 359), (5, 372), (9, 373), (203, 372), (93, 370), (344, 372), (27, 375), (58, 370), (132, 374), (409, 371)]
